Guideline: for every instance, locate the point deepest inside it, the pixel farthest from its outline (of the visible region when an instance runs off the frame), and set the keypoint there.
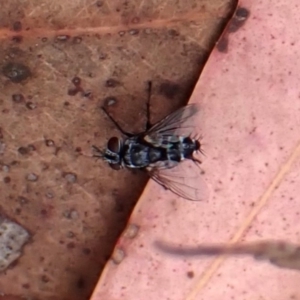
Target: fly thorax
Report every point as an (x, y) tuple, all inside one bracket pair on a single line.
[(155, 154), (135, 154)]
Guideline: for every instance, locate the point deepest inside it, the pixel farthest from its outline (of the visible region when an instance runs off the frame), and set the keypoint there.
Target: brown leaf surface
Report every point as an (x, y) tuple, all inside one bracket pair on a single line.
[(61, 60), (249, 93)]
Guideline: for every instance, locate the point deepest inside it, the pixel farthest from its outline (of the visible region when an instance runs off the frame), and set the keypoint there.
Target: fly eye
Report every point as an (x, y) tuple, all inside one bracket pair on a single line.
[(114, 145)]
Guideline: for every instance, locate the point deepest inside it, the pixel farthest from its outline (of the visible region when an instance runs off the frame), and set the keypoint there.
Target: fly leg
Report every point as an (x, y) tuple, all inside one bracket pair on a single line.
[(148, 124), (97, 151), (196, 161), (116, 123)]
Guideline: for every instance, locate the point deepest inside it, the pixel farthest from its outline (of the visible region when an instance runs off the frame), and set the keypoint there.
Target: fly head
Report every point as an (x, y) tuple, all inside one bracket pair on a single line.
[(112, 153)]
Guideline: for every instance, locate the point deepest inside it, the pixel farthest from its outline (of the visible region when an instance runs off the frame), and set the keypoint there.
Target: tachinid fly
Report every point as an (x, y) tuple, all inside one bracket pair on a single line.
[(165, 150)]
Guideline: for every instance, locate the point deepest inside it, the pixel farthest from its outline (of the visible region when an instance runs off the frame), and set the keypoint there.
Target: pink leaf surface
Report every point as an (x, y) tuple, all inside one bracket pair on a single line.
[(249, 94)]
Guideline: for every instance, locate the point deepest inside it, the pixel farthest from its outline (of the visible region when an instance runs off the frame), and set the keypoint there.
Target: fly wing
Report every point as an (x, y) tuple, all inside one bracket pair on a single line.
[(184, 179), (178, 123)]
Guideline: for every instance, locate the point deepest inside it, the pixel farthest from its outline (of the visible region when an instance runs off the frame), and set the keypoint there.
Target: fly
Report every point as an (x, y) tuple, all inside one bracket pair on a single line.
[(165, 151)]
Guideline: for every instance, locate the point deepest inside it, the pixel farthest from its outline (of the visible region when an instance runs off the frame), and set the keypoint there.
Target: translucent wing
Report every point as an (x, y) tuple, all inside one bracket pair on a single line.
[(183, 179), (179, 122)]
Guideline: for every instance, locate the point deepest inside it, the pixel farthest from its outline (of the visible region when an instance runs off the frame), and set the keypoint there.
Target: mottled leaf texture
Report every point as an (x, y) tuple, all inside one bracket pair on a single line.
[(60, 61)]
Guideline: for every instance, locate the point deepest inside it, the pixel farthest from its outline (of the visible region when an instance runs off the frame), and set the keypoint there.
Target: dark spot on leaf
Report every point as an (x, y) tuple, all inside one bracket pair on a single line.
[(49, 143), (242, 13), (73, 92), (86, 251), (190, 274), (30, 105), (45, 278), (44, 212), (31, 147), (17, 26), (6, 179), (17, 39), (119, 207), (80, 283), (77, 40), (71, 214), (18, 98), (16, 72), (62, 38), (49, 195), (76, 81), (32, 177), (70, 177), (238, 19), (102, 56), (109, 101), (23, 150), (70, 234), (135, 20), (71, 245), (169, 89), (118, 256), (173, 32), (111, 83), (22, 200), (222, 45), (18, 211), (87, 94), (133, 31), (131, 231), (26, 285)]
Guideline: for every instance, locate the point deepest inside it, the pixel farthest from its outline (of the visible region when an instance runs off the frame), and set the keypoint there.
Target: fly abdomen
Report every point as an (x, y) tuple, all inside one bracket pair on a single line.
[(182, 149), (189, 146), (174, 153)]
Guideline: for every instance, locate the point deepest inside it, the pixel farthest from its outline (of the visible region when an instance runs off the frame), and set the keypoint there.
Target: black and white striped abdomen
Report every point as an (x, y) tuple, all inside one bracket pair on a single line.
[(137, 154)]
